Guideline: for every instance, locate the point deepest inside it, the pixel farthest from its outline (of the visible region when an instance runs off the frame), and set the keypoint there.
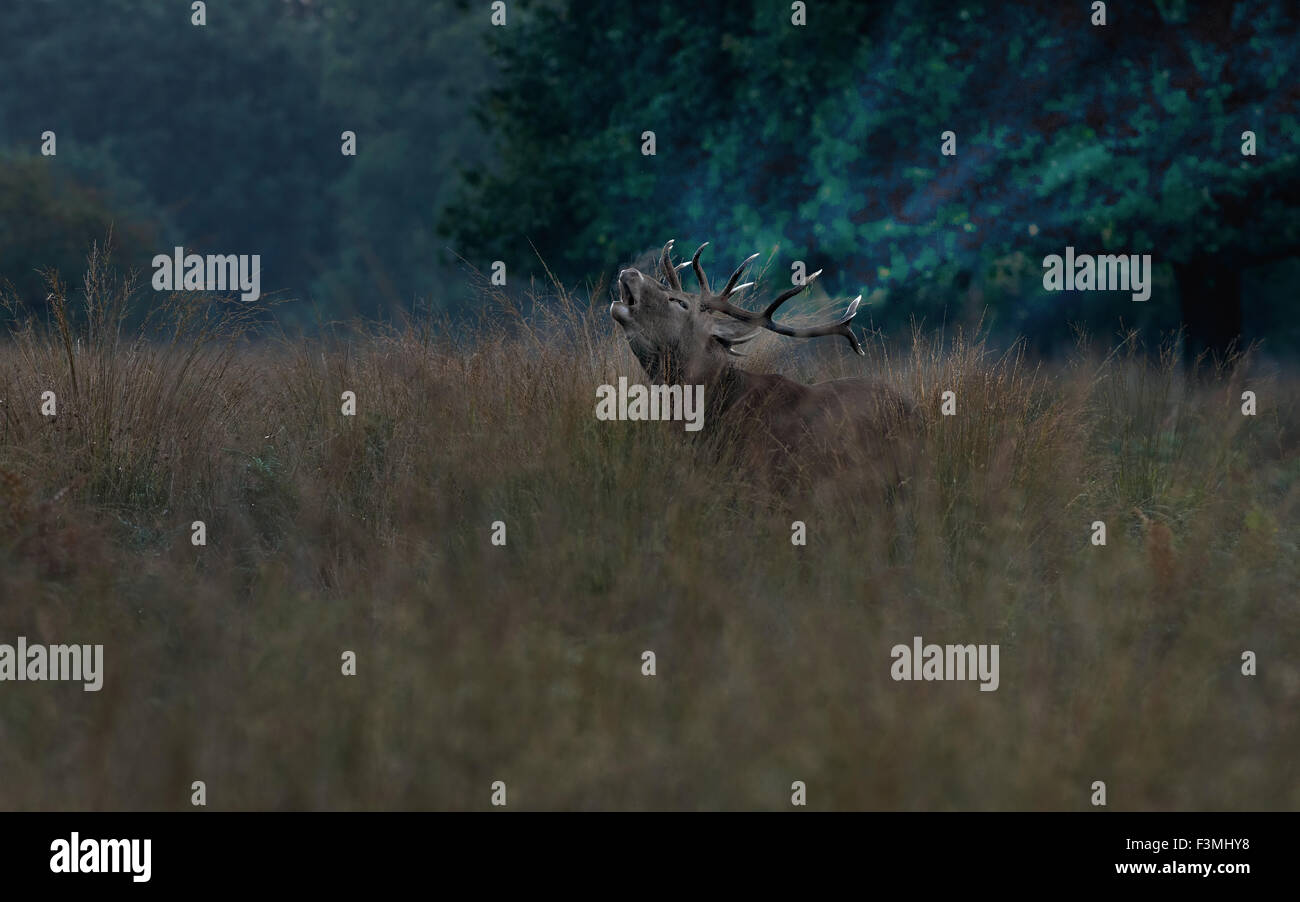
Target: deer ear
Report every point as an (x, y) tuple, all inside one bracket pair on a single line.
[(733, 332)]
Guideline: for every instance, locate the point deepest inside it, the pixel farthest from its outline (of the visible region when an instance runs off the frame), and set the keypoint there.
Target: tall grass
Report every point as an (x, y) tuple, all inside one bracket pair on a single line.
[(136, 409), (523, 663)]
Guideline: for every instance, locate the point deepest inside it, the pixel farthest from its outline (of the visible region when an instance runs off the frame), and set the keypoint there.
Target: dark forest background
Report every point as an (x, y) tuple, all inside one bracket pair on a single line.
[(818, 143)]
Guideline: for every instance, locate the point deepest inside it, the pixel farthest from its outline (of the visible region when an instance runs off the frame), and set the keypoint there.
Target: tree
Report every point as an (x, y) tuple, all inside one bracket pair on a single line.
[(825, 138), (219, 132), (402, 75), (49, 220)]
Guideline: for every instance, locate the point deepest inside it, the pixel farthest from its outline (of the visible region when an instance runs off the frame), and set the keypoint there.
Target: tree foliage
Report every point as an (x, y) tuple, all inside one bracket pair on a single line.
[(825, 139)]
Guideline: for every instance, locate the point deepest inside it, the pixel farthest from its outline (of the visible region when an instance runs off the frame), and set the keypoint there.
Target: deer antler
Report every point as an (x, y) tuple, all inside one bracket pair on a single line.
[(699, 270), (670, 271), (719, 304)]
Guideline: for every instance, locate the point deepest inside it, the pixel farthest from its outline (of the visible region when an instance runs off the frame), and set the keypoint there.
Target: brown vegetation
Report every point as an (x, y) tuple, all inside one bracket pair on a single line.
[(523, 663)]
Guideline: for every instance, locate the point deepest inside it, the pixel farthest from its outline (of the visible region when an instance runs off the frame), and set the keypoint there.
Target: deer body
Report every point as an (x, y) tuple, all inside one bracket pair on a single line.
[(690, 338)]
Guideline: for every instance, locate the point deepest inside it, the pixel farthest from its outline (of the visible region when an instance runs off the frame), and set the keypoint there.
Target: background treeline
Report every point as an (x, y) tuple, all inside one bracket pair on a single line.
[(524, 142), (226, 139)]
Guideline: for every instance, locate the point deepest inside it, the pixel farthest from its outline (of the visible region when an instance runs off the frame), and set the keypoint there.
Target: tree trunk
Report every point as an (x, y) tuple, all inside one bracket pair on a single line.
[(1210, 291)]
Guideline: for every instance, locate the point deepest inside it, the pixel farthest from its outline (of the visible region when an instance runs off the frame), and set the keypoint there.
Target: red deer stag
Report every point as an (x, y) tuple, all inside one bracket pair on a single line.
[(690, 338)]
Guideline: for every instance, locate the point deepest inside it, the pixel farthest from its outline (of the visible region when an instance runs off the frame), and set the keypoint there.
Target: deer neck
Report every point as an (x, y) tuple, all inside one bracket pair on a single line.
[(724, 383)]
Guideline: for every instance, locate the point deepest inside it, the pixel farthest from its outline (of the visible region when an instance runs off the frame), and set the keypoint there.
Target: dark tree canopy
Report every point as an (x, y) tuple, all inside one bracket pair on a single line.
[(825, 139), (822, 139)]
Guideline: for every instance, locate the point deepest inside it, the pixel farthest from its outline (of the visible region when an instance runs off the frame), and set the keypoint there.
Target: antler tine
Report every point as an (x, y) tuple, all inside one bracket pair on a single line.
[(764, 320), (841, 327), (789, 293), (699, 270), (666, 264), (731, 288)]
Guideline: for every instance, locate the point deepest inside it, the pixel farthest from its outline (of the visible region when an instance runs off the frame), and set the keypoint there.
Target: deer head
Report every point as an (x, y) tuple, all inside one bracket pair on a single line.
[(681, 336)]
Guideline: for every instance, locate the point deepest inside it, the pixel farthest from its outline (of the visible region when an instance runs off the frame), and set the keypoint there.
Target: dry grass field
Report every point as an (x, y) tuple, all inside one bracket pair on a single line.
[(522, 662)]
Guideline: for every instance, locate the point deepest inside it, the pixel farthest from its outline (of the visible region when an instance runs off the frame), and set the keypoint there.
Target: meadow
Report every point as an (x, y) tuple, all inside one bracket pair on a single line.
[(523, 663)]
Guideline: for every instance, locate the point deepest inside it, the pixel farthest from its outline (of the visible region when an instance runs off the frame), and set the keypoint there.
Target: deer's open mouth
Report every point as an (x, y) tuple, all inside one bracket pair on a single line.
[(621, 309)]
